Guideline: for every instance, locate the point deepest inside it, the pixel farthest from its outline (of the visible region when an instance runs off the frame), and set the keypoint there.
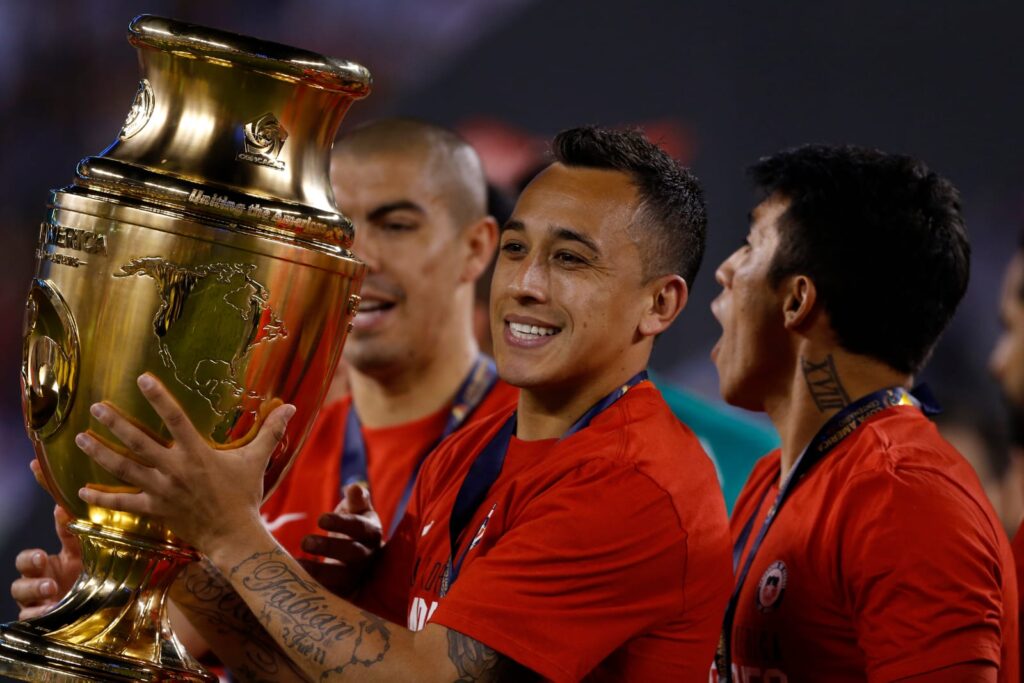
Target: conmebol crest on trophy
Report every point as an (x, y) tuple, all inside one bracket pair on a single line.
[(264, 138)]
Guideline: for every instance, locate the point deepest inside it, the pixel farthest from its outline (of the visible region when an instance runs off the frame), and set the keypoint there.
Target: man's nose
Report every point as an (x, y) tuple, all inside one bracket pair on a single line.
[(366, 249), (723, 274), (531, 279)]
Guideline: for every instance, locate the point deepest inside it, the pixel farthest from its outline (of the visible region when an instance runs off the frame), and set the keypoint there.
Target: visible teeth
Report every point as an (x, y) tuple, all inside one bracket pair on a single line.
[(368, 306), (522, 331)]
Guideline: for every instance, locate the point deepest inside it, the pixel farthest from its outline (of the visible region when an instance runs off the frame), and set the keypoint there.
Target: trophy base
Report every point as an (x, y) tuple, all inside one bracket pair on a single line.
[(112, 625), (29, 656)]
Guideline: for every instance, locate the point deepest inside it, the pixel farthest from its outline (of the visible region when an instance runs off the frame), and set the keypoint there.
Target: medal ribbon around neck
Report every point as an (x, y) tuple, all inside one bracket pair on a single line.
[(471, 393), (835, 431), (487, 467)]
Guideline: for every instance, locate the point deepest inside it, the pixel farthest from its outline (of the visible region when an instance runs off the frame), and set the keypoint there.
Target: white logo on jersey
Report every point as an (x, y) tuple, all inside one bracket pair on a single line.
[(426, 529), (420, 613), (483, 528), (287, 518)]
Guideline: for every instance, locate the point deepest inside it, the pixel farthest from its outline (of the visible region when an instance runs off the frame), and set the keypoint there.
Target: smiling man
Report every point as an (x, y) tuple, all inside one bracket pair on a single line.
[(865, 548), (583, 534)]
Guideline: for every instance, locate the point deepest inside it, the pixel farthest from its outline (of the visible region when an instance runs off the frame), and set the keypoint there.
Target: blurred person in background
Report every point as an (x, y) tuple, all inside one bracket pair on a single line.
[(982, 440), (1007, 365)]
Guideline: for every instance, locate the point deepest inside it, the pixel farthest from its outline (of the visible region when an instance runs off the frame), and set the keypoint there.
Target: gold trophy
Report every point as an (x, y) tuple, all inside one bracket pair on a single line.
[(204, 246)]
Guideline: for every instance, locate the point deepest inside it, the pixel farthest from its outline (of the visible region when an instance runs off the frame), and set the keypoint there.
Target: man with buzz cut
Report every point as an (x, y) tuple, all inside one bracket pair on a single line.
[(582, 535), (864, 548), (417, 198)]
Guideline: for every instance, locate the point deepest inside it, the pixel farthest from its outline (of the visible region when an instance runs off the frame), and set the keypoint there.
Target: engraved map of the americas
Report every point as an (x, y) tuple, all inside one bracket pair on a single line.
[(211, 318)]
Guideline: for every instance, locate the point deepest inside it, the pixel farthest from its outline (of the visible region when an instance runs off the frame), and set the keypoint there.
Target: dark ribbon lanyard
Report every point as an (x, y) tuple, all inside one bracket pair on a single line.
[(470, 394), (839, 426), (485, 470)]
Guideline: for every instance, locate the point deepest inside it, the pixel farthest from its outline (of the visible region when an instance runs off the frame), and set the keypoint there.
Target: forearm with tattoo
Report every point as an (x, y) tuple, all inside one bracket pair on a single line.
[(229, 627), (330, 639), (309, 628)]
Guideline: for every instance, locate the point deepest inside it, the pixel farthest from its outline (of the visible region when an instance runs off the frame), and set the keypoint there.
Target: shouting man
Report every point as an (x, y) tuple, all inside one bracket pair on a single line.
[(864, 548)]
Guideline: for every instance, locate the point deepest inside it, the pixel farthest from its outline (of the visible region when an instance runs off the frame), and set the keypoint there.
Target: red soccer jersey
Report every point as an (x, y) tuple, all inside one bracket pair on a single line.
[(1018, 559), (604, 555), (885, 561), (313, 484)]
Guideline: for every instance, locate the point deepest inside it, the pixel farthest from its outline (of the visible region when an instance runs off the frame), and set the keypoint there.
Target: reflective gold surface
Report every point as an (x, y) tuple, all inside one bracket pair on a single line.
[(51, 359), (203, 246), (227, 321), (112, 624)]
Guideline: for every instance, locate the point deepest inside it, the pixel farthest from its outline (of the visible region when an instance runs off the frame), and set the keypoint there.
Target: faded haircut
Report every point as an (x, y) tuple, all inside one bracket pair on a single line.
[(672, 216), (448, 159)]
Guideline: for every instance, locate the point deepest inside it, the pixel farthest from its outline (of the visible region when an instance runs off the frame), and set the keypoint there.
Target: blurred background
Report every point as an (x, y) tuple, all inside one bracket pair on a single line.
[(718, 84)]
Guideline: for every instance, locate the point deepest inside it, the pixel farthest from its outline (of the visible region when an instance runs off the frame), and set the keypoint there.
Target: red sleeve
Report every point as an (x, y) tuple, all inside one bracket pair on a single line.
[(922, 570), (586, 566)]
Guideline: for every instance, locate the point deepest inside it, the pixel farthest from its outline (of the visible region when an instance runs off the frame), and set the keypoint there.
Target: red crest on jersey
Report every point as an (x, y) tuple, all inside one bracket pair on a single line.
[(771, 586)]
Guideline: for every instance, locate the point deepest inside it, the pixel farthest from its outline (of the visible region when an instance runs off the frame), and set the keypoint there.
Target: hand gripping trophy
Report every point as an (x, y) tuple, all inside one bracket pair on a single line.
[(203, 246)]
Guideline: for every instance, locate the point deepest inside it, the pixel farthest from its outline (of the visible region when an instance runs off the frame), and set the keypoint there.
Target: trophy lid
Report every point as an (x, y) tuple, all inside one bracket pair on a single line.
[(232, 128), (281, 61)]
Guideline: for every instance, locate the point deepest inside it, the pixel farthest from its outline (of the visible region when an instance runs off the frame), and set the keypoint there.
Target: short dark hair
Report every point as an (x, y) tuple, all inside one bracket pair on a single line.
[(671, 199), (447, 157), (882, 238)]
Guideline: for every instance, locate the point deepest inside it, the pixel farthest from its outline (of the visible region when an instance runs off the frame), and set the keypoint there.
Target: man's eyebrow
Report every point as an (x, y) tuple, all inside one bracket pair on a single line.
[(575, 236), (399, 205), (558, 232)]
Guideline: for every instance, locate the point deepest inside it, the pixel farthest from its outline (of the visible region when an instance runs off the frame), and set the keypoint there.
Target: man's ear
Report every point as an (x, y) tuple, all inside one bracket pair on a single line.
[(798, 298), (480, 239), (668, 296)]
